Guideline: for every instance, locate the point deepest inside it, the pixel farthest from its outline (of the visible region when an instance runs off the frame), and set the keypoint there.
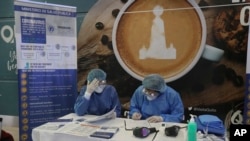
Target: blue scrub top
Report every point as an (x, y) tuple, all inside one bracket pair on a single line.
[(99, 103), (168, 105)]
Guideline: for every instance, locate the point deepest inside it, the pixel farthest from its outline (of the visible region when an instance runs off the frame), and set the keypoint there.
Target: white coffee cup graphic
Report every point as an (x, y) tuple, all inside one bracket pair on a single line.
[(155, 38)]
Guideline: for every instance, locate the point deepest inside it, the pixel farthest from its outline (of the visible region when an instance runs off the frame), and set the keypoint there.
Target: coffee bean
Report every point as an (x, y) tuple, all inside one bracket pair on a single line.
[(105, 39), (124, 1), (203, 3), (110, 46), (218, 74), (238, 81), (115, 12), (220, 69), (230, 74), (99, 25)]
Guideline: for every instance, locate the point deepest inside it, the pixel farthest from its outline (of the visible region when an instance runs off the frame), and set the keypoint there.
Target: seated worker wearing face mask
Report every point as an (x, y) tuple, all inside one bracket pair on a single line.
[(97, 98), (156, 102)]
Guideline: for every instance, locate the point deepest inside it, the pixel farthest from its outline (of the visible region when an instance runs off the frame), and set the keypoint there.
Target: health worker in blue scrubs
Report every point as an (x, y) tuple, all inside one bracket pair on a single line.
[(156, 102), (97, 97)]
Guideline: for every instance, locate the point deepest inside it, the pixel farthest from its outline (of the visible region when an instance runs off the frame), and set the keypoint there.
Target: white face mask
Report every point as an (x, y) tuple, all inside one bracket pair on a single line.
[(100, 88), (151, 97)]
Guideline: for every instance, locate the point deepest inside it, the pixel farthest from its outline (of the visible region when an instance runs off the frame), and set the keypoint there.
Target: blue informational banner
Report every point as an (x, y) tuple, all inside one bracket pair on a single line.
[(46, 62)]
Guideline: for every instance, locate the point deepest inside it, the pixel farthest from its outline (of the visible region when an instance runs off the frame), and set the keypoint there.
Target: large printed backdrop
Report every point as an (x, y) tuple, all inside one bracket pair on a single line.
[(213, 87)]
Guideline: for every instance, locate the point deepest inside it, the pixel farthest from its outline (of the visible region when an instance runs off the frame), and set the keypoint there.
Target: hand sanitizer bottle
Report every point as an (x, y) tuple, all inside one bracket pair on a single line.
[(192, 129)]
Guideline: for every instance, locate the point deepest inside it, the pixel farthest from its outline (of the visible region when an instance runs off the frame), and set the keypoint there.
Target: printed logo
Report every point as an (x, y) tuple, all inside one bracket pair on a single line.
[(7, 34), (51, 28)]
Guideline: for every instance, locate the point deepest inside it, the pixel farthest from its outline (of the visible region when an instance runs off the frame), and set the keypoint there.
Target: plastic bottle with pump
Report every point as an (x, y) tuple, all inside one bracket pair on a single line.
[(192, 129)]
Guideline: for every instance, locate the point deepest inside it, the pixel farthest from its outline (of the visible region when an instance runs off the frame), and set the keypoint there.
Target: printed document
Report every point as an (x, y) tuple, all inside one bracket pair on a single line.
[(78, 129), (108, 115)]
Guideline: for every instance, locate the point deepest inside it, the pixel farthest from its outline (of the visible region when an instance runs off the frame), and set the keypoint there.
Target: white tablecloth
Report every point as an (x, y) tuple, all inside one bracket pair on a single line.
[(50, 133)]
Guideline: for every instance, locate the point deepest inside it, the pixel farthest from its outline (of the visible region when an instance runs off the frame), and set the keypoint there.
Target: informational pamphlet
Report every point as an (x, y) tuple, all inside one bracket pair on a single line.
[(86, 129), (78, 129)]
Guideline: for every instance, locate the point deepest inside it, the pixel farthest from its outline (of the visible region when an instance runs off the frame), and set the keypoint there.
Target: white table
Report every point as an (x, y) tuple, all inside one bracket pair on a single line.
[(42, 134)]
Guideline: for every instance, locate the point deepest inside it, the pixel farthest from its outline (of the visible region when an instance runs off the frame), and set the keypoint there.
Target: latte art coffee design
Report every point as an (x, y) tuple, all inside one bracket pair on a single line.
[(158, 36), (157, 47)]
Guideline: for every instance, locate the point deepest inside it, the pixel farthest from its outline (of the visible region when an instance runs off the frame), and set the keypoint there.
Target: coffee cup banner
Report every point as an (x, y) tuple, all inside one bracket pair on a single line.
[(150, 39)]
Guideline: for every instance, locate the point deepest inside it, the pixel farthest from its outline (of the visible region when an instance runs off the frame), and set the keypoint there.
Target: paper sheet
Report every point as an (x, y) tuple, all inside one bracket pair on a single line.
[(105, 116), (51, 126), (78, 129)]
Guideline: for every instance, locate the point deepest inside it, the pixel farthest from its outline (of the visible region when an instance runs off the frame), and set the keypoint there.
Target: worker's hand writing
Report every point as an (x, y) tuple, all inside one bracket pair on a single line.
[(154, 119), (92, 86), (136, 116)]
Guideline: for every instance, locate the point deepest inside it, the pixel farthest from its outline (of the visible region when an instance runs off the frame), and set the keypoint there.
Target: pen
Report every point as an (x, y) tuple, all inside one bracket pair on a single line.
[(89, 125), (61, 120), (155, 135)]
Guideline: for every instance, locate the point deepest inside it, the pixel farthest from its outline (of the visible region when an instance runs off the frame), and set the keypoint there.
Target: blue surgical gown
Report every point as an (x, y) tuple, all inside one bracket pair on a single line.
[(168, 105), (99, 103)]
